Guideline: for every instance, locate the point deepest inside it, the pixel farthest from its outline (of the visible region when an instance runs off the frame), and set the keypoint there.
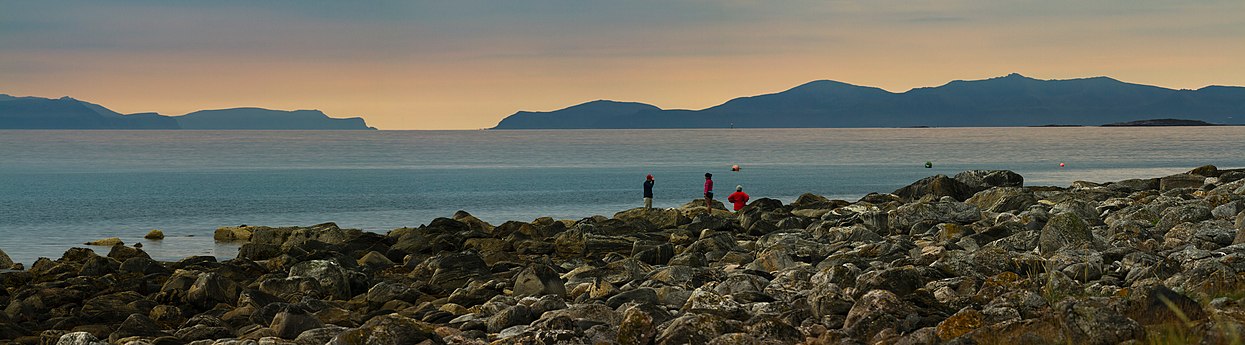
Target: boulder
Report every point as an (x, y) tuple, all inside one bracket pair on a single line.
[(79, 338), (293, 321), (1064, 230), (924, 215), (388, 329), (1208, 234), (980, 180), (537, 280), (874, 312), (813, 201), (1003, 199), (661, 218), (1093, 321), (154, 235), (964, 321), (693, 328), (259, 251), (510, 317), (375, 260), (107, 242), (212, 288), (937, 186), (136, 325), (5, 261), (1181, 181), (331, 276), (233, 233)]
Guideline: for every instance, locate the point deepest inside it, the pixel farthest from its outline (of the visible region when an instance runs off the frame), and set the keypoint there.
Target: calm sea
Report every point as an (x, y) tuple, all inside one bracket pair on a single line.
[(61, 188)]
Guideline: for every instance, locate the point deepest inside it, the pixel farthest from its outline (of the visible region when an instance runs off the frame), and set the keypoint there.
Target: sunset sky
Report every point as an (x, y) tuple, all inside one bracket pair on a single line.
[(467, 64)]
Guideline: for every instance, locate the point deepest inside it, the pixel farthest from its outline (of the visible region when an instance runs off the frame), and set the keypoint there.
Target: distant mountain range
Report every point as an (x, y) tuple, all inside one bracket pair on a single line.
[(69, 113), (1012, 100)]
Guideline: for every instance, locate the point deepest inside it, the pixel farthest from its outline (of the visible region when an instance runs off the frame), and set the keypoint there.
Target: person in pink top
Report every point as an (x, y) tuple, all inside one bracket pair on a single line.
[(709, 192)]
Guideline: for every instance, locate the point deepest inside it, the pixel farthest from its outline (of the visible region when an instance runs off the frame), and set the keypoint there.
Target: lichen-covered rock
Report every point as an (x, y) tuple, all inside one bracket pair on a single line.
[(1064, 230), (937, 186), (906, 218), (154, 235), (1003, 199), (964, 321), (980, 180), (328, 273), (232, 233)]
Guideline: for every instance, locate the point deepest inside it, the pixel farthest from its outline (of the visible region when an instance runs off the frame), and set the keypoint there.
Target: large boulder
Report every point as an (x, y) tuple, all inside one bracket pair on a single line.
[(937, 186), (1064, 230), (875, 311), (5, 261), (212, 288), (331, 276), (928, 214), (1003, 199), (388, 329), (453, 270), (1181, 181), (1093, 321), (292, 321), (537, 280), (661, 218), (233, 233), (980, 180)]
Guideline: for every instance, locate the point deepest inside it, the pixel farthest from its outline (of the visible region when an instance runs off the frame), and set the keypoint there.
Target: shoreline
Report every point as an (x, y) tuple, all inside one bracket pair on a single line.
[(971, 258)]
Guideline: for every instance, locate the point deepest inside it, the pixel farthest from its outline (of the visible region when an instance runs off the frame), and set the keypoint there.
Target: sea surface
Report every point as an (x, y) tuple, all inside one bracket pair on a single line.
[(59, 189)]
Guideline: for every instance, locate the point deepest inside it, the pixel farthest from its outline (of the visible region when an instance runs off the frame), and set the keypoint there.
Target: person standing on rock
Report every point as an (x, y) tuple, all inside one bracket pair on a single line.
[(709, 192), (648, 192), (739, 198)]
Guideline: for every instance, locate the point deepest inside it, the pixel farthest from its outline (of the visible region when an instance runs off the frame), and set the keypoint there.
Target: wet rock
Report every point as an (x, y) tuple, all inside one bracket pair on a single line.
[(232, 233), (154, 235), (259, 251), (1064, 230), (122, 253), (107, 242)]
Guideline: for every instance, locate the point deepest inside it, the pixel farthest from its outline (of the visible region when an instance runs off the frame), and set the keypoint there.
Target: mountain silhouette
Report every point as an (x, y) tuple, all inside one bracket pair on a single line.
[(1012, 100), (69, 113)]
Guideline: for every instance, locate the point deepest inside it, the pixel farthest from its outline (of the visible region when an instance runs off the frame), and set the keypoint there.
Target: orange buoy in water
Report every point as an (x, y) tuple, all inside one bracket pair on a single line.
[(735, 167)]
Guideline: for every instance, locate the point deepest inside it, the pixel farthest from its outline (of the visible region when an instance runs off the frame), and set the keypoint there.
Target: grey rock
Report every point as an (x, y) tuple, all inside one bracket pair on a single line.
[(536, 280), (1064, 230), (331, 276), (1003, 199)]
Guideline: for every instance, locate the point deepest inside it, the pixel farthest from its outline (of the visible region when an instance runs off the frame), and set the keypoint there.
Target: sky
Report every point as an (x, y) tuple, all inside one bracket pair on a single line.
[(467, 64)]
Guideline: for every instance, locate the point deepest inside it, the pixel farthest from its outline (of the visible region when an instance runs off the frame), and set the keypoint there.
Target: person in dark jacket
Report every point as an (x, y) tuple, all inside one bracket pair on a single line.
[(739, 198), (709, 192), (648, 192)]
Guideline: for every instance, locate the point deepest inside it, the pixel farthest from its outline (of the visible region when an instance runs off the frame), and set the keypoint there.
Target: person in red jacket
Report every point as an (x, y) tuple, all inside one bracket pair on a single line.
[(738, 197)]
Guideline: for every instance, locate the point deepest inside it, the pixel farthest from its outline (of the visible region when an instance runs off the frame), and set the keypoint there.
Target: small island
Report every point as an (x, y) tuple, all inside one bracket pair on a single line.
[(1160, 123)]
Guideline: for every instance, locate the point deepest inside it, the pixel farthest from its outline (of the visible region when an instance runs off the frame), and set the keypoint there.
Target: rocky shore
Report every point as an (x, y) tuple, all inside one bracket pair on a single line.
[(977, 258)]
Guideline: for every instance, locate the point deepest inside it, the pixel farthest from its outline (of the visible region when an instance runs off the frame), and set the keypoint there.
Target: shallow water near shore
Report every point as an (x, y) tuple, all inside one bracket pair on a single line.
[(61, 188)]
